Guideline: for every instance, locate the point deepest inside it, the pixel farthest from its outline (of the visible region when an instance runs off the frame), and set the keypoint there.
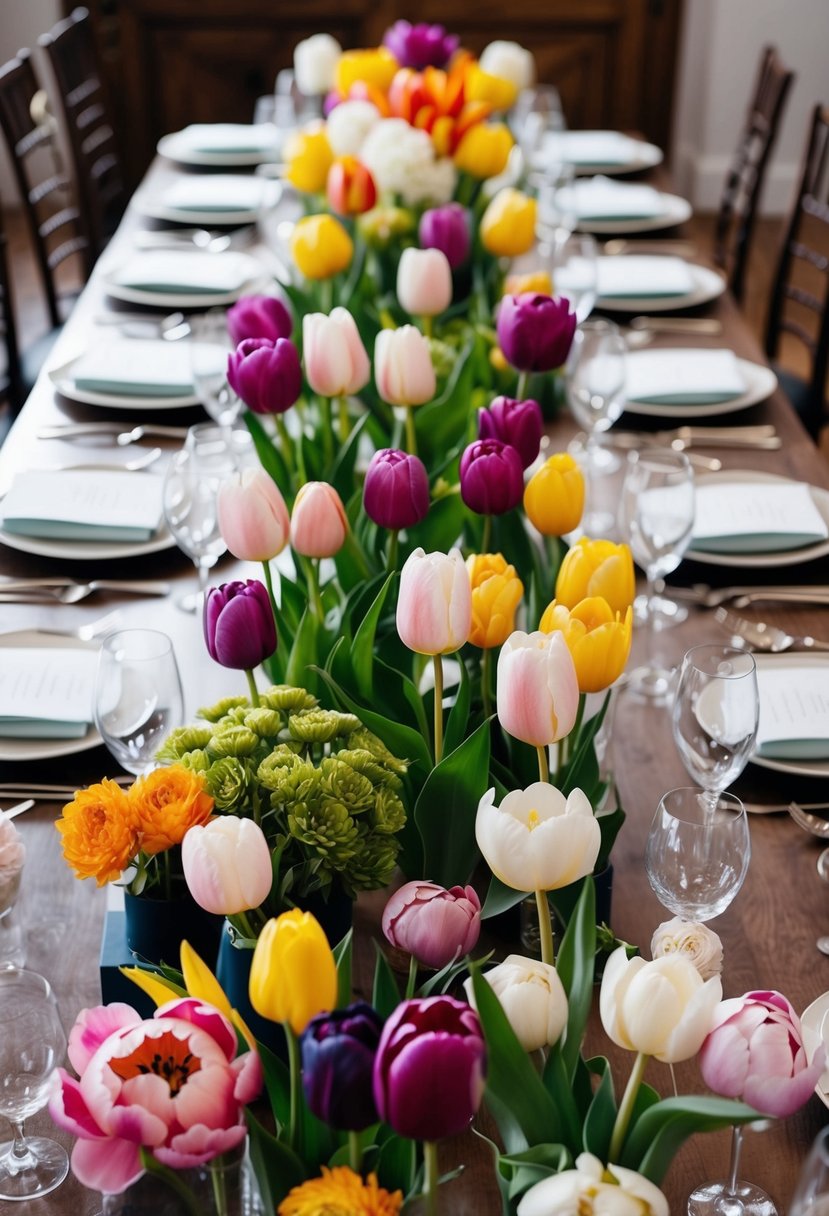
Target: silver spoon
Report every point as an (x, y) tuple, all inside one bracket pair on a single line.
[(823, 865), (823, 945)]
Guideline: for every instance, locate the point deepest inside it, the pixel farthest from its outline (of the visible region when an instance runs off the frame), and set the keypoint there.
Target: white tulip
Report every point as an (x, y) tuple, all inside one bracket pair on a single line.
[(227, 865), (538, 840), (692, 940), (315, 63), (663, 1008), (533, 998), (348, 125), (510, 61), (588, 1191)]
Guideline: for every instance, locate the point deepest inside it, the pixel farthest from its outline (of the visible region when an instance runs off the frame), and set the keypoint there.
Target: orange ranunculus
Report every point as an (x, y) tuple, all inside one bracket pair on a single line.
[(496, 594), (100, 832), (167, 802)]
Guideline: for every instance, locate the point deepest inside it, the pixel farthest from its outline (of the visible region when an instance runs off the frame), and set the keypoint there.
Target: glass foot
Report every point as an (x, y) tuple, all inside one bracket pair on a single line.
[(651, 683), (717, 1199), (663, 614), (42, 1169), (190, 603)]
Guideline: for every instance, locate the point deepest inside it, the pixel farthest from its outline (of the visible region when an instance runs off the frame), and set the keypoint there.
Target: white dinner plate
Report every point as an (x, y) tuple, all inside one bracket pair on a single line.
[(255, 276), (784, 557), (156, 209), (675, 210), (811, 1020), (795, 768), (65, 385), (642, 156), (177, 147), (760, 384), (45, 749), (707, 285), (87, 551)]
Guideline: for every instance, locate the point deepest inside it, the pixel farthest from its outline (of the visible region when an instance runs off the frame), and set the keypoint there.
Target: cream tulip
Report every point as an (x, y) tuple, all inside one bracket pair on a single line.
[(434, 606), (663, 1008), (592, 1189), (315, 64), (533, 998), (227, 865), (538, 840), (403, 370), (538, 689), (336, 362), (424, 282)]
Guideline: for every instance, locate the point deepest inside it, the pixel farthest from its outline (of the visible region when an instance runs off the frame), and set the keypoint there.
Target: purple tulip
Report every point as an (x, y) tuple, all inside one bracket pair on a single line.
[(265, 374), (238, 624), (492, 477), (535, 332), (338, 1051), (259, 317), (433, 924), (420, 46), (518, 423), (430, 1068), (396, 490), (447, 229)]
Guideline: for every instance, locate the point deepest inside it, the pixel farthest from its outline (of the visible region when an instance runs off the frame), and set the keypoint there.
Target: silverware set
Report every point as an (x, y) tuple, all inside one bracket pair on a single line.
[(741, 597), (120, 431), (67, 591), (761, 437), (759, 635)]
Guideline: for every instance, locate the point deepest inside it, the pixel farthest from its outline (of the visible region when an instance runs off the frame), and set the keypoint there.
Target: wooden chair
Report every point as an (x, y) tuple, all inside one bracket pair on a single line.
[(744, 183), (805, 257), (85, 108), (11, 389)]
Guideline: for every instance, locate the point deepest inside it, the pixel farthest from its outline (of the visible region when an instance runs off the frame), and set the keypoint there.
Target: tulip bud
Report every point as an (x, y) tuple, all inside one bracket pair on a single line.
[(532, 996), (554, 496), (496, 594), (498, 92), (420, 46), (536, 282), (338, 1051), (396, 490), (350, 187), (538, 840), (266, 375), (434, 604), (433, 924), (598, 639), (535, 332), (320, 246), (484, 150), (424, 282), (373, 66), (253, 518), (315, 64), (403, 370), (510, 61), (597, 567), (336, 362), (508, 224), (538, 691), (259, 317), (492, 478), (446, 228), (293, 976), (319, 524), (227, 865), (308, 158), (239, 629), (518, 423)]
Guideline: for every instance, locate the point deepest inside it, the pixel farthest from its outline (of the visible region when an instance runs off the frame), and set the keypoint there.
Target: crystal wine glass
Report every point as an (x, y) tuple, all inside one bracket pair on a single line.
[(811, 1195), (32, 1045), (209, 348), (138, 698), (572, 265), (537, 115), (715, 715), (595, 380), (556, 199)]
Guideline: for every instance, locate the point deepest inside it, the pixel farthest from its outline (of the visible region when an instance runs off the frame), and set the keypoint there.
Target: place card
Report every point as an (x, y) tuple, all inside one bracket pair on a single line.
[(173, 270), (46, 693), (641, 275), (215, 192), (86, 505), (794, 711), (599, 198), (229, 137), (135, 367), (682, 376), (756, 517)]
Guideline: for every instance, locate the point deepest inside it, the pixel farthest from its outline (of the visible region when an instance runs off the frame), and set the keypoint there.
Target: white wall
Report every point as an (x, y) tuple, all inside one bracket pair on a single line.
[(719, 53), (21, 24)]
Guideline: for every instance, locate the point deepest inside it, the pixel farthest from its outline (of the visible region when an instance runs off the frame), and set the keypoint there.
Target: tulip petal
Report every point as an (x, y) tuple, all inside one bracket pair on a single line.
[(94, 1026), (108, 1166), (68, 1108)]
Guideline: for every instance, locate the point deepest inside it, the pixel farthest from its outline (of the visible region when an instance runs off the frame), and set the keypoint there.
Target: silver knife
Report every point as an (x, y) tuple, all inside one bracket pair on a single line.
[(65, 429)]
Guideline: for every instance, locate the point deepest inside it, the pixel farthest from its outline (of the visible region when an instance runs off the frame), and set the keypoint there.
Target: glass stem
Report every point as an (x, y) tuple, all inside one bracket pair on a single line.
[(430, 1177), (734, 1164), (438, 664), (20, 1147), (590, 447), (545, 928), (202, 573)]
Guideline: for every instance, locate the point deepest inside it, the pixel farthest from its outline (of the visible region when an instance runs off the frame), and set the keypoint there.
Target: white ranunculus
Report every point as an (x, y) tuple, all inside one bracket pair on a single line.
[(315, 63), (691, 939), (348, 124), (511, 61), (663, 1008), (401, 159), (433, 184), (593, 1190), (533, 998)]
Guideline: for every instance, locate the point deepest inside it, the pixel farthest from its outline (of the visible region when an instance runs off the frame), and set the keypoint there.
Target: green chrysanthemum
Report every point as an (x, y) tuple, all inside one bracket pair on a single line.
[(321, 725), (288, 776), (282, 696), (372, 768), (227, 783), (182, 740), (197, 761), (344, 784), (325, 826), (389, 814), (373, 862), (234, 741), (266, 723), (366, 739), (214, 712)]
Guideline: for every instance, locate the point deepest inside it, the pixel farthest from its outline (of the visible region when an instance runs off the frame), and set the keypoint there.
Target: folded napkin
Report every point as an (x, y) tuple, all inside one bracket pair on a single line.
[(683, 377), (756, 517), (135, 367), (84, 505), (185, 271), (640, 276), (590, 147), (229, 137), (46, 693), (599, 198), (217, 192), (794, 709)]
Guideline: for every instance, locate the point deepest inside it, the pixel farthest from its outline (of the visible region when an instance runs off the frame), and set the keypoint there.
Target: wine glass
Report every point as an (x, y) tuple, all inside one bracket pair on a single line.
[(696, 857), (595, 381), (715, 715), (572, 265), (138, 698), (811, 1195), (556, 202), (210, 346), (536, 115), (32, 1045), (657, 517)]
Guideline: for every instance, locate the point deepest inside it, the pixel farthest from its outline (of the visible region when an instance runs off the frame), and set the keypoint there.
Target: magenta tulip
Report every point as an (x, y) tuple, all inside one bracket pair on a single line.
[(420, 46), (431, 923), (518, 423), (259, 317), (253, 518), (492, 477), (447, 229), (535, 332), (755, 1051), (396, 490), (239, 629), (430, 1068), (319, 524), (265, 374)]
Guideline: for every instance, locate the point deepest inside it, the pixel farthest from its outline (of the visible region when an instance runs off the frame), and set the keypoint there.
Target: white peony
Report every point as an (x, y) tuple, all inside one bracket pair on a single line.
[(592, 1190), (348, 125), (693, 940), (434, 184), (533, 998), (402, 161), (511, 61), (315, 63)]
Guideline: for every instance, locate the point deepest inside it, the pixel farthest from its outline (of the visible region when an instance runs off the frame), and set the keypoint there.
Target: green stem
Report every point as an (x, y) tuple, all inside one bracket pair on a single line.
[(355, 1152), (285, 444), (486, 539), (174, 1181), (438, 665), (555, 556), (411, 982), (411, 436), (326, 294), (620, 1127), (254, 691), (523, 381), (327, 420), (352, 547), (543, 767), (266, 566), (217, 1180), (345, 421), (430, 1177), (574, 733), (312, 572), (296, 1081), (486, 697), (545, 928), (426, 323), (246, 927), (391, 555)]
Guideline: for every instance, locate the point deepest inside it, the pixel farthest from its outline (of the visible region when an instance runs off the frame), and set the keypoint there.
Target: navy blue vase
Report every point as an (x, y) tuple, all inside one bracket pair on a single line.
[(157, 927)]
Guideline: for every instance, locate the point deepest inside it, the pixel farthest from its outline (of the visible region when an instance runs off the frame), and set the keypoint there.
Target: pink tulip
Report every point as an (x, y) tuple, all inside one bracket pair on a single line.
[(434, 605), (171, 1085), (538, 690), (403, 369), (424, 282), (319, 524), (755, 1051), (336, 363), (227, 864), (253, 518), (431, 923)]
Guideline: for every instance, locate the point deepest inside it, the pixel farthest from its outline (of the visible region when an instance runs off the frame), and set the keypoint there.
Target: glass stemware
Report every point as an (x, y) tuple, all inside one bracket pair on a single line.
[(138, 697), (715, 715), (210, 346), (811, 1195), (556, 203), (537, 115), (572, 265), (32, 1045), (595, 380)]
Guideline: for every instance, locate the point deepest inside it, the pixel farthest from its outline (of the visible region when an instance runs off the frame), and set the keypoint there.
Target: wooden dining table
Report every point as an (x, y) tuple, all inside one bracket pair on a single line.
[(769, 932)]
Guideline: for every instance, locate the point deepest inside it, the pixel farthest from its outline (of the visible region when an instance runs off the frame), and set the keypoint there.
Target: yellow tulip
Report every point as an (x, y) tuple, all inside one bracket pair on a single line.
[(508, 224), (597, 567), (156, 987), (375, 66), (484, 150), (497, 360), (293, 976), (554, 496), (496, 91), (321, 247), (200, 981), (496, 593), (309, 156), (538, 282), (597, 637)]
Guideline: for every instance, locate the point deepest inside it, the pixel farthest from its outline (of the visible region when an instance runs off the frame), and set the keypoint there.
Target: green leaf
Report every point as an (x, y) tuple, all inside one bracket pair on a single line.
[(500, 898), (557, 1082), (524, 1169), (342, 957), (304, 653), (575, 966), (459, 713), (440, 530), (574, 772), (270, 457), (601, 1115), (444, 979), (399, 739), (658, 1135), (362, 650), (277, 1167), (342, 473), (385, 995), (277, 1084), (446, 808), (397, 1166)]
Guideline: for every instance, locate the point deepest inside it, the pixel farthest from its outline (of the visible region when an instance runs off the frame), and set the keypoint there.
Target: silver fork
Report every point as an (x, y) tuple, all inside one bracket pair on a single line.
[(712, 597), (87, 633), (815, 825), (72, 593), (762, 636)]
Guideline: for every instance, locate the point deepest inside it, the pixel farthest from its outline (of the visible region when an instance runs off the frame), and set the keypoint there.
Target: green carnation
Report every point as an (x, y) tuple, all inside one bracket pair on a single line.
[(373, 863), (182, 740), (214, 712), (389, 814), (363, 762), (227, 783), (267, 723), (325, 826), (282, 696), (288, 776), (344, 784), (234, 741), (321, 725), (367, 739), (197, 761)]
